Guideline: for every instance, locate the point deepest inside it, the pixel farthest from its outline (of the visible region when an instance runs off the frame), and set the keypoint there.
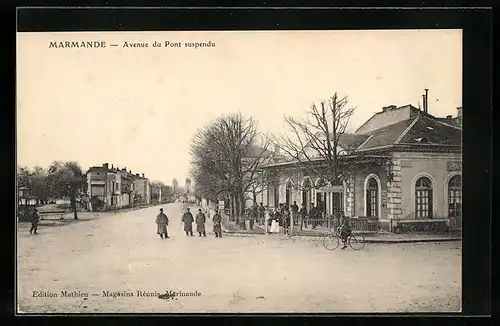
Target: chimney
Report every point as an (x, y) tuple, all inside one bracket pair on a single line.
[(137, 174), (423, 102), (448, 117), (389, 107), (105, 165), (426, 104), (112, 167), (143, 175), (459, 112)]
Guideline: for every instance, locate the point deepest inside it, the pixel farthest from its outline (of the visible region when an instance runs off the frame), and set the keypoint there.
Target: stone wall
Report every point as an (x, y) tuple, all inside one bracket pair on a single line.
[(436, 167), (394, 191)]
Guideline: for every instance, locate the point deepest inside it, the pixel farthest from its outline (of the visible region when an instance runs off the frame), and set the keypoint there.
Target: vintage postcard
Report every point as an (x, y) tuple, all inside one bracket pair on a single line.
[(239, 171)]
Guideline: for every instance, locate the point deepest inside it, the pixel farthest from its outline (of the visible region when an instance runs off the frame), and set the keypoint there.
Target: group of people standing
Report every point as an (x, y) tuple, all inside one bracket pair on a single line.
[(188, 220), (281, 217)]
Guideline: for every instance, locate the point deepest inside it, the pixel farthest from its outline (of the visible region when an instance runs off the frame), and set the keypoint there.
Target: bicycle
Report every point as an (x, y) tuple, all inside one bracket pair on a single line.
[(332, 240)]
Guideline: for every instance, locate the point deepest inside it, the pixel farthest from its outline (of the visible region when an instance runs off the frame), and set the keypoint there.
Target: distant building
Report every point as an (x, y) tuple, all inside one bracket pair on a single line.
[(175, 186), (188, 186), (142, 190), (127, 187), (156, 195), (112, 187), (103, 187)]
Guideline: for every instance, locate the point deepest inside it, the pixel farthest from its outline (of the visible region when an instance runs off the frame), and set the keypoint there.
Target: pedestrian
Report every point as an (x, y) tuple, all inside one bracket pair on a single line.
[(262, 212), (200, 223), (303, 216), (34, 222), (345, 229), (294, 209), (162, 223), (275, 223), (286, 220), (188, 220), (253, 215), (217, 224), (314, 216)]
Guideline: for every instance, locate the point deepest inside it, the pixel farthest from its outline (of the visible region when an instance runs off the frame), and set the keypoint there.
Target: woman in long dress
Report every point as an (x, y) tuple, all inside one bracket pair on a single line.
[(275, 227)]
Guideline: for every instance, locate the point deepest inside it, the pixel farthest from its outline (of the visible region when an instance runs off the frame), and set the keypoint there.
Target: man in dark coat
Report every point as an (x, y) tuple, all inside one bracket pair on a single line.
[(314, 216), (162, 222), (303, 216), (188, 220), (262, 212), (200, 223), (294, 209), (252, 215), (286, 220), (34, 222), (217, 224), (345, 229)]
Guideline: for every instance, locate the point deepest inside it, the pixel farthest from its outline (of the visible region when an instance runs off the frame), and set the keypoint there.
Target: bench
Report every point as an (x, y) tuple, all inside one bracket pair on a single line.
[(46, 214)]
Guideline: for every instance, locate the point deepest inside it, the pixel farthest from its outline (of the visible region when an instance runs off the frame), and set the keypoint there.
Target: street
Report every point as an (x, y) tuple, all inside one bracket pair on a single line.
[(251, 273)]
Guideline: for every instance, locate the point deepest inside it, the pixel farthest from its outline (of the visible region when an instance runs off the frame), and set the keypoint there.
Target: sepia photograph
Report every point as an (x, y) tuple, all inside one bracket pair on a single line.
[(172, 172)]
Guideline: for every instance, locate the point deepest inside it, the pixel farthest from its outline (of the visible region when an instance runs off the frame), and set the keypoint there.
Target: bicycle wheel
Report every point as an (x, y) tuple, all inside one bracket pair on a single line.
[(331, 242), (356, 242)]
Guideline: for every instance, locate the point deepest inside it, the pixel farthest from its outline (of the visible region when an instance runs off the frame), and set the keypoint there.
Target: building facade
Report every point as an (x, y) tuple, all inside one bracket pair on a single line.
[(407, 174), (112, 188), (142, 190)]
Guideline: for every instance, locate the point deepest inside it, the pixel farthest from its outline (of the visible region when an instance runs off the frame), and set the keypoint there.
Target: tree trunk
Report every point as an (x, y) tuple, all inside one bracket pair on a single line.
[(233, 208), (73, 206), (236, 210), (242, 210)]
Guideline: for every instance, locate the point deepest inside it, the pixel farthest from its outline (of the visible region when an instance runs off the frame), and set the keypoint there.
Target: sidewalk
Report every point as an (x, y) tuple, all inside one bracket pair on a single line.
[(370, 237), (83, 216)]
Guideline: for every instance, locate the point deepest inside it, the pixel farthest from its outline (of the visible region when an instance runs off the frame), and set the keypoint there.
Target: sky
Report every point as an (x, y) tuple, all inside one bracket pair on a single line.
[(139, 107)]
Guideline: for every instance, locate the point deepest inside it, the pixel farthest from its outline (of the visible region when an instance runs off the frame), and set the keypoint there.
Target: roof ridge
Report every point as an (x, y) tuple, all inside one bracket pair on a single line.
[(363, 143), (407, 129), (443, 123)]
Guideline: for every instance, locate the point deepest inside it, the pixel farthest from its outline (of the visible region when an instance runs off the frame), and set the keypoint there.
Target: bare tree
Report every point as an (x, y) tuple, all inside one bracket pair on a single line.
[(226, 157), (315, 145), (256, 185)]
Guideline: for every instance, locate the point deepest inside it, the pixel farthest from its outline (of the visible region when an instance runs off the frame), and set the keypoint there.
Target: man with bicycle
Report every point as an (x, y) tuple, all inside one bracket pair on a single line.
[(345, 229)]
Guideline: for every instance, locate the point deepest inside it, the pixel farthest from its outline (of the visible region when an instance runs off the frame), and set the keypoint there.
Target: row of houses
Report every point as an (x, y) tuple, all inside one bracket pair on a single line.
[(418, 187), (112, 188)]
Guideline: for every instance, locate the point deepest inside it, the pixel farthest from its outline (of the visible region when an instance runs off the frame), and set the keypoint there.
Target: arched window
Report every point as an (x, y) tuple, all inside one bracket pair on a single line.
[(455, 196), (423, 198), (306, 193), (321, 196), (372, 198)]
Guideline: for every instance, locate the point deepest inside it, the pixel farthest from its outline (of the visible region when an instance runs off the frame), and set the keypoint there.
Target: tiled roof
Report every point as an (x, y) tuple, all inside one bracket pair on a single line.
[(386, 135), (351, 140), (453, 121), (434, 132), (417, 130)]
